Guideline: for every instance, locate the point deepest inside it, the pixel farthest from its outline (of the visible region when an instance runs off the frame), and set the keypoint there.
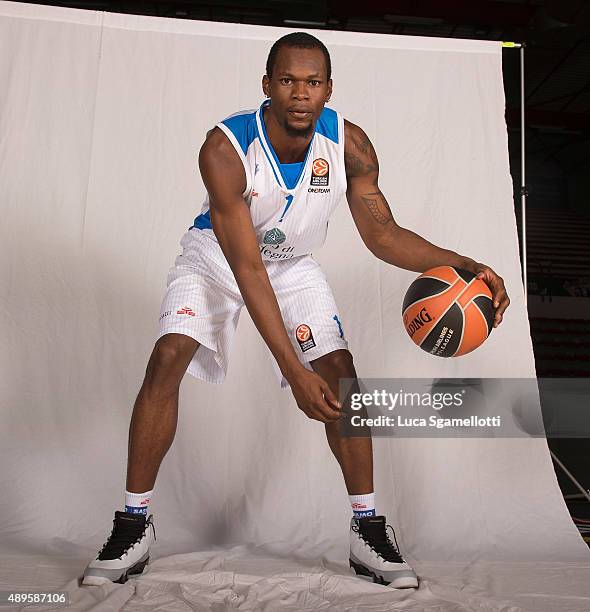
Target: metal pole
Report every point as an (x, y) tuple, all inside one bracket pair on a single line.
[(523, 189), (570, 475)]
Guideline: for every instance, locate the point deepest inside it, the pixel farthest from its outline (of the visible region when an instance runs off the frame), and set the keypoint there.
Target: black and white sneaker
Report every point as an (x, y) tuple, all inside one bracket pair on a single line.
[(373, 554), (126, 552)]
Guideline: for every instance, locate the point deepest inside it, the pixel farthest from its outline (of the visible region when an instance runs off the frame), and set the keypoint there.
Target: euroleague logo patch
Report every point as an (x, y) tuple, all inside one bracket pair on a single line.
[(320, 172), (304, 337)]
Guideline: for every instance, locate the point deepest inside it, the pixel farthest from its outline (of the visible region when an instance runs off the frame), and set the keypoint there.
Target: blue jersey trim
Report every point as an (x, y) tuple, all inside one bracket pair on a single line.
[(203, 221), (277, 179), (291, 173), (327, 124), (243, 127)]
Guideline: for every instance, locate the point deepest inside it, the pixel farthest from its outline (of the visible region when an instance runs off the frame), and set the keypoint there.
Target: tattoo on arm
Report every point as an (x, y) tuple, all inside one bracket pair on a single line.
[(360, 158), (363, 144), (354, 166), (378, 207), (358, 167)]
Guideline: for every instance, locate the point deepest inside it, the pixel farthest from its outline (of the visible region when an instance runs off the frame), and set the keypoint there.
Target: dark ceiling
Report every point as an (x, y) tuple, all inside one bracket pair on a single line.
[(556, 33)]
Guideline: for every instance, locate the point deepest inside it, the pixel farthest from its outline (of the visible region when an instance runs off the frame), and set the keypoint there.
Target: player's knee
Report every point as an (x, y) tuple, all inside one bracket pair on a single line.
[(340, 362), (170, 358)]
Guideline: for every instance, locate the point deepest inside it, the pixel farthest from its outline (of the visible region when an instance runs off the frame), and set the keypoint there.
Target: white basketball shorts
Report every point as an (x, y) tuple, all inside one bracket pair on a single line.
[(203, 301)]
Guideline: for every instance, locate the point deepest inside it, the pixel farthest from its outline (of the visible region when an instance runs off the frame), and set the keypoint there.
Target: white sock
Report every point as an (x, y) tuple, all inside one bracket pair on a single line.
[(138, 503), (363, 505)]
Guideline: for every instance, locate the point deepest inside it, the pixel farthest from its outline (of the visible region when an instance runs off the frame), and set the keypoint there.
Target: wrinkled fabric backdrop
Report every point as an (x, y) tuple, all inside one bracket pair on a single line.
[(101, 120)]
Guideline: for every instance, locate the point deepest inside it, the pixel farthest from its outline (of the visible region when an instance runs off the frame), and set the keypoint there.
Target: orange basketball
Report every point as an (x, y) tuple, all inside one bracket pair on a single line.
[(448, 312)]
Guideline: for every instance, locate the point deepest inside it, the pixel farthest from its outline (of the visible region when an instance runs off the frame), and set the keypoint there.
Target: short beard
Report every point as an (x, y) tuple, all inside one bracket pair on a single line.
[(299, 132)]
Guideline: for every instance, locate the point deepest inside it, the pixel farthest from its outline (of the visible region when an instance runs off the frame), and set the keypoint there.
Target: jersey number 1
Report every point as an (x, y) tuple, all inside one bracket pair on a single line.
[(289, 199)]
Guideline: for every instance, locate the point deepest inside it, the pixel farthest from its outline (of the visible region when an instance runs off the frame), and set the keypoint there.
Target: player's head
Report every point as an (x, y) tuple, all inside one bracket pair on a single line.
[(298, 81)]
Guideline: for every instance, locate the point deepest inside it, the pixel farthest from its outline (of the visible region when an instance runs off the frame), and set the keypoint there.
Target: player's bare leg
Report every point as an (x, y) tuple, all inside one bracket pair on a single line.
[(372, 553), (355, 455), (151, 432), (155, 413)]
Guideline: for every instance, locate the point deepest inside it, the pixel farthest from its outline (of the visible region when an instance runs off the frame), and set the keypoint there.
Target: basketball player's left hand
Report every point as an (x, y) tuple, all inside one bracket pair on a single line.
[(500, 299)]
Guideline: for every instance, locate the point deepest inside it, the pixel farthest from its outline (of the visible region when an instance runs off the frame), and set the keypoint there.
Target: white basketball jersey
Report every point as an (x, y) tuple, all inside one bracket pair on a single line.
[(289, 212)]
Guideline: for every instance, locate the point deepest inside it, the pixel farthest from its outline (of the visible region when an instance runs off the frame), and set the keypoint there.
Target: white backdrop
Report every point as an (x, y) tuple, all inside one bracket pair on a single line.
[(101, 119)]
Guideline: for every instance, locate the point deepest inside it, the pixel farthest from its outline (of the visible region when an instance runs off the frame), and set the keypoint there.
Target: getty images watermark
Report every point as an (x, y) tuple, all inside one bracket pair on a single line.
[(385, 400), (460, 407)]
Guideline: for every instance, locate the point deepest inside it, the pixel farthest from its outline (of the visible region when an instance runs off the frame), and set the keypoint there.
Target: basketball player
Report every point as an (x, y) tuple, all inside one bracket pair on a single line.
[(273, 177)]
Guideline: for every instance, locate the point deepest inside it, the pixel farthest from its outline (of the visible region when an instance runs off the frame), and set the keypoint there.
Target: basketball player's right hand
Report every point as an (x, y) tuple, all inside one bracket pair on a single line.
[(314, 396)]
